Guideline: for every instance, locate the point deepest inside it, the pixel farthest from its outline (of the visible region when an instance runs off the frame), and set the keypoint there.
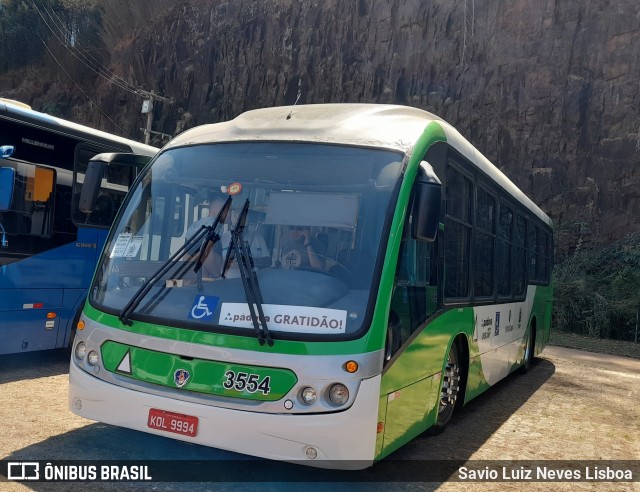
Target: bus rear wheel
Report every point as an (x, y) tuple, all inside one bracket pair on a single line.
[(449, 390)]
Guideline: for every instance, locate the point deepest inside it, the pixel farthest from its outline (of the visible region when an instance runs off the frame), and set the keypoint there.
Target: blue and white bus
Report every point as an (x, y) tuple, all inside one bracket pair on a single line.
[(48, 247)]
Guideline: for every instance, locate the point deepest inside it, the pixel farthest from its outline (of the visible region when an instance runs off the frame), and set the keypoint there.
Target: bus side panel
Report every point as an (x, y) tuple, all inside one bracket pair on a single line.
[(476, 382), (407, 413), (507, 328), (93, 241), (382, 416), (32, 287), (25, 326), (412, 383), (69, 266)]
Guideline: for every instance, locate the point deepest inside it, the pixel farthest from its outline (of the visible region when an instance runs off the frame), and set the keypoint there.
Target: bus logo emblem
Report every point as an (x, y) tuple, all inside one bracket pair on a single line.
[(181, 377)]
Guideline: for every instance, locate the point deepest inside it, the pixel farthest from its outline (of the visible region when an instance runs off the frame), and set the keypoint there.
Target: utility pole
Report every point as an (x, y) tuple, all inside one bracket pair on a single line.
[(147, 107)]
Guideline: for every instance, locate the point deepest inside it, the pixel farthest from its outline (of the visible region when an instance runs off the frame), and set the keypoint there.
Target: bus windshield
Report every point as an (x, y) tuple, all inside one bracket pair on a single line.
[(313, 232)]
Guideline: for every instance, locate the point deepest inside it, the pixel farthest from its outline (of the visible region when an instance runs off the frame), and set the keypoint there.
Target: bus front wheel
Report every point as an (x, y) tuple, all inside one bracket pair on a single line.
[(449, 391)]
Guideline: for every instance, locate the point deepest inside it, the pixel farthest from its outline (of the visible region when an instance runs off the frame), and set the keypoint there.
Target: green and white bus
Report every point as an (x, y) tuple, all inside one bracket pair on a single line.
[(404, 275)]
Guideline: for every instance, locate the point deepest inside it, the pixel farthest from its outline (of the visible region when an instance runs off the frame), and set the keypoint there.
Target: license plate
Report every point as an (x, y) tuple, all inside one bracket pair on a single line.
[(177, 423)]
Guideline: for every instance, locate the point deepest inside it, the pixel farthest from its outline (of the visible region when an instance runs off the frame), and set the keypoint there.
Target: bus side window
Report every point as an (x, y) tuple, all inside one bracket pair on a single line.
[(520, 257), (32, 206), (457, 232), (42, 201)]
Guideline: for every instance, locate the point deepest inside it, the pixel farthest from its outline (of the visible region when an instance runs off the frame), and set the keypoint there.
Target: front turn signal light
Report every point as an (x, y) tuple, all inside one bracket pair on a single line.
[(351, 366)]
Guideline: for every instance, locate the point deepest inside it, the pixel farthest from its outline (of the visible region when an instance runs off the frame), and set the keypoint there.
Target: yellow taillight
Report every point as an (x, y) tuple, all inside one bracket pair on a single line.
[(81, 325)]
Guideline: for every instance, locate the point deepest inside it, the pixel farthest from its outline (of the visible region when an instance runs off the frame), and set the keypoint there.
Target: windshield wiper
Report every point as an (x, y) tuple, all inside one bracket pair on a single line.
[(212, 237), (207, 232), (240, 249)]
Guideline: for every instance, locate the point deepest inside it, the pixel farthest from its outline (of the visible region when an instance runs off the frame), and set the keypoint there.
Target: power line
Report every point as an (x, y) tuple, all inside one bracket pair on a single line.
[(83, 51), (77, 57), (81, 90), (112, 78), (95, 66)]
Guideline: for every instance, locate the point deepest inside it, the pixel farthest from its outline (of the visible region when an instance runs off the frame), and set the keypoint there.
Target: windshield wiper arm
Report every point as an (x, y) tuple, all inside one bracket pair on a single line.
[(166, 266), (212, 236), (240, 249)]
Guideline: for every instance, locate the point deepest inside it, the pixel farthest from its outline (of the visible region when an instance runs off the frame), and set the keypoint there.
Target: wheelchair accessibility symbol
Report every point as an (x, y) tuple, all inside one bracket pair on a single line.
[(203, 307)]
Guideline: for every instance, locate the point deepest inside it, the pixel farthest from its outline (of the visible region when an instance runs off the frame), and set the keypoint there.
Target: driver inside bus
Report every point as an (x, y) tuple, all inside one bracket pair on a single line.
[(213, 260), (302, 250)]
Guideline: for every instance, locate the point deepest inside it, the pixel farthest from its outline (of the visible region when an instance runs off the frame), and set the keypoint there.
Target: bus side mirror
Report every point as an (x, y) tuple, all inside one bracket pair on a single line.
[(91, 185), (96, 172), (7, 179), (427, 204)]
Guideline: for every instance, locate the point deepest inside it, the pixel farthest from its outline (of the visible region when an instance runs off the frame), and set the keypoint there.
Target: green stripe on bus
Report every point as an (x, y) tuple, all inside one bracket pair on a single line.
[(204, 376)]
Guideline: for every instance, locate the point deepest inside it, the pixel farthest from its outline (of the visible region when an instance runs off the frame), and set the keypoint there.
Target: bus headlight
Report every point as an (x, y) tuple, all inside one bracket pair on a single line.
[(338, 394), (93, 358), (309, 395), (81, 350)]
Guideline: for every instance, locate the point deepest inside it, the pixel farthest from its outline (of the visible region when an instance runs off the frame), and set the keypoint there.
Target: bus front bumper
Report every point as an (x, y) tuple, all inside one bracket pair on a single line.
[(342, 439)]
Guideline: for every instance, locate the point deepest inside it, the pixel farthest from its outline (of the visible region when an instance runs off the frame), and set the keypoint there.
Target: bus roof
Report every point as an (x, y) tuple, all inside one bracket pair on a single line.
[(369, 125), (22, 112)]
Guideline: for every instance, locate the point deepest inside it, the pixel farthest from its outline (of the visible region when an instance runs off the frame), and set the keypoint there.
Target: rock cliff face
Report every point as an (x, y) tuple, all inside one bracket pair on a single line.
[(547, 90)]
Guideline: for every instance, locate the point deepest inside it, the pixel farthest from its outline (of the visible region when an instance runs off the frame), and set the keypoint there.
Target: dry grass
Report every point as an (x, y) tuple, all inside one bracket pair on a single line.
[(599, 345)]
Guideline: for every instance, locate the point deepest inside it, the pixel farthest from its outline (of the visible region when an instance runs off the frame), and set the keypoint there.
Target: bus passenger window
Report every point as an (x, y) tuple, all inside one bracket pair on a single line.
[(457, 233), (484, 243), (32, 208), (520, 258), (42, 198), (504, 256), (533, 253)]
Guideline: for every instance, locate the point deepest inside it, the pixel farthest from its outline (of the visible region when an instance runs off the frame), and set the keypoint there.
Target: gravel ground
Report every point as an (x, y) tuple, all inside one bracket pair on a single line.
[(573, 405)]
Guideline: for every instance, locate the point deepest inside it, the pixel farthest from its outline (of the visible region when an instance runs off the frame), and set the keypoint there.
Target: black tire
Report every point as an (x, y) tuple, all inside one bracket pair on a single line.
[(393, 337), (528, 351), (449, 390)]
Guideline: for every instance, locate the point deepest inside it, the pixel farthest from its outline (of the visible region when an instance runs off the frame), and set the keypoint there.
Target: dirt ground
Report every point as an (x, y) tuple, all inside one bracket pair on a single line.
[(573, 405)]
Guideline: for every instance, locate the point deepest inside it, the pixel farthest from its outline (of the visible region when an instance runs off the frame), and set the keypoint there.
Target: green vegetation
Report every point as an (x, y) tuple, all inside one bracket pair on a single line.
[(599, 345), (597, 293)]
